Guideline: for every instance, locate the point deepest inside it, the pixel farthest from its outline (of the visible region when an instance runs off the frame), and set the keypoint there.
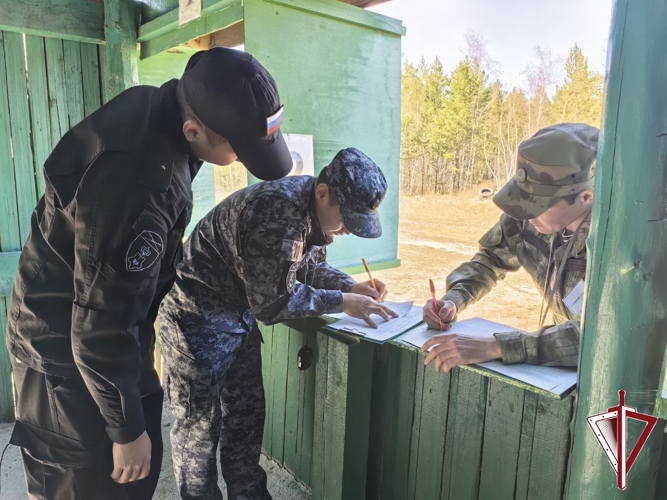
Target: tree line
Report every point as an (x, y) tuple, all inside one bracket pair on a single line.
[(462, 129)]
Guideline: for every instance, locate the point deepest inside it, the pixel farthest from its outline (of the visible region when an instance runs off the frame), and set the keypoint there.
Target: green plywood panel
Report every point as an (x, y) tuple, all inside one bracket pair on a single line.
[(340, 82)]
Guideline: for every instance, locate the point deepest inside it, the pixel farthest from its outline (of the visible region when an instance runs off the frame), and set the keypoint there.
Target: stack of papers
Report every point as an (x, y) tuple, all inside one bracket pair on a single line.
[(555, 380), (409, 315)]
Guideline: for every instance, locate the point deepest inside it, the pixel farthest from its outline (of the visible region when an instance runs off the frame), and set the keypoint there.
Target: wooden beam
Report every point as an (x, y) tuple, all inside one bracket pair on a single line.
[(364, 3), (77, 20), (623, 339), (231, 36), (169, 22), (334, 9), (121, 47), (212, 20)]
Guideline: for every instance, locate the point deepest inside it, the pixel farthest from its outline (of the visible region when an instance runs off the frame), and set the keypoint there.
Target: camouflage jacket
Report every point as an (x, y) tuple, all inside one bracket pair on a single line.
[(512, 244), (244, 258)]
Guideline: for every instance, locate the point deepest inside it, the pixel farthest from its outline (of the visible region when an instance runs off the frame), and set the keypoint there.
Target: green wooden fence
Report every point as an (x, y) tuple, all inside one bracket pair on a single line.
[(371, 421), (46, 86)]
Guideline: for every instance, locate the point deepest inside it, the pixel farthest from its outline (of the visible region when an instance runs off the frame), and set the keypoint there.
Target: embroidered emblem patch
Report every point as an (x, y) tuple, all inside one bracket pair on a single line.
[(144, 251)]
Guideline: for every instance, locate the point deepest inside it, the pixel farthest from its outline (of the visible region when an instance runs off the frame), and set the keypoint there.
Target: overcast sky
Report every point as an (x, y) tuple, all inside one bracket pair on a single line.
[(512, 29)]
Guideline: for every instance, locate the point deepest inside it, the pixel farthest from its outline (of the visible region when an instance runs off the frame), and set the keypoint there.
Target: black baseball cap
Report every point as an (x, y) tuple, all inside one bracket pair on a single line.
[(237, 98), (360, 187)]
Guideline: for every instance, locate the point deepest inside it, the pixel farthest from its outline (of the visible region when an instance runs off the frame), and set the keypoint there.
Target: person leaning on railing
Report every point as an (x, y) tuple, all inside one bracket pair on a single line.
[(546, 221)]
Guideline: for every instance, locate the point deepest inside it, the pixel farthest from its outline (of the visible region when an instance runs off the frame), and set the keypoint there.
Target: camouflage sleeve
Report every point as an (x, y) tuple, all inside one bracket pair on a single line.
[(272, 249), (552, 346), (321, 275), (474, 279)]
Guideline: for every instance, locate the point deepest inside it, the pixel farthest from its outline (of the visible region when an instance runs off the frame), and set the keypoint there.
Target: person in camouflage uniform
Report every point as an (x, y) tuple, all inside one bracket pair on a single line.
[(242, 264), (547, 207)]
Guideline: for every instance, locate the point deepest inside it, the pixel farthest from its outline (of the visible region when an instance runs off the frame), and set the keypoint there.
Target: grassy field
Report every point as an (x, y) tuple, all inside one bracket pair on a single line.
[(436, 234)]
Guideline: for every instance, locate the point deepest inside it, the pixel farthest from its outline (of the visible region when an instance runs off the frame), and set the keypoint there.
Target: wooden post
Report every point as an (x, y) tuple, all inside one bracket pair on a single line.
[(623, 340), (121, 47)]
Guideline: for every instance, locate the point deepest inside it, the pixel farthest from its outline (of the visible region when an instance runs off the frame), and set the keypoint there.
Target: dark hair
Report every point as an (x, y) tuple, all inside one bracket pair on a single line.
[(188, 114), (322, 179)]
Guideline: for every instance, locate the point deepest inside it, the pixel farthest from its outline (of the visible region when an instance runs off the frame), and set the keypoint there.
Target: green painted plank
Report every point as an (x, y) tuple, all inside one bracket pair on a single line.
[(526, 445), (78, 20), (6, 384), (465, 429), (267, 354), (306, 436), (102, 52), (340, 11), (8, 264), (551, 443), (294, 404), (400, 394), (10, 237), (90, 68), (358, 383), (73, 82), (334, 419), (39, 106), (382, 409), (24, 168), (279, 360), (413, 471), (317, 480), (432, 433), (121, 58), (169, 22), (204, 25), (502, 440), (55, 66)]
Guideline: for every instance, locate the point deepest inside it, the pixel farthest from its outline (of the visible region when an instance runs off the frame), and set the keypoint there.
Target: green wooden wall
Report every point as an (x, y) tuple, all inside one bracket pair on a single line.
[(338, 70), (46, 86), (371, 421)]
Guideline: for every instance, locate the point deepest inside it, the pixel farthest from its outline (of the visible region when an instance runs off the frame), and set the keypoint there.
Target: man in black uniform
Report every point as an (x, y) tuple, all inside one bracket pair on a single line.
[(99, 259)]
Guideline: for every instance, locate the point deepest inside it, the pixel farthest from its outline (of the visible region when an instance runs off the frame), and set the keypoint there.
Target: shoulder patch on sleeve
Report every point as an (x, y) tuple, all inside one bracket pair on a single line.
[(144, 251)]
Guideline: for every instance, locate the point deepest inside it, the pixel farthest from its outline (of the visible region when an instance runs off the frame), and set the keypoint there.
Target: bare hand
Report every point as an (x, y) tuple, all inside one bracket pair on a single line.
[(367, 289), (132, 461), (361, 306), (455, 349), (448, 312)]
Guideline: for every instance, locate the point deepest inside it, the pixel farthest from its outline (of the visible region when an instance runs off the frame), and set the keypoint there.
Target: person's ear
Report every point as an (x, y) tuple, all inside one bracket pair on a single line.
[(586, 197), (192, 130), (322, 192)]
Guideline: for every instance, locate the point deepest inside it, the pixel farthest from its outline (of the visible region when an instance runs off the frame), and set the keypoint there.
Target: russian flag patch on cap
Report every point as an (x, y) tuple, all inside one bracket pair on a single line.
[(273, 122)]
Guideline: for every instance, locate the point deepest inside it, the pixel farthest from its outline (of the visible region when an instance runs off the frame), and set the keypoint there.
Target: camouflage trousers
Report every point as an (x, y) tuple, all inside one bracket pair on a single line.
[(211, 407)]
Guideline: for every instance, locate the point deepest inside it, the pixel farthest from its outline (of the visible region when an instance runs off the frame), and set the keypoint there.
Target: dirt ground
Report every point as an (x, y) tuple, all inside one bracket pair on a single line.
[(281, 484), (436, 234)]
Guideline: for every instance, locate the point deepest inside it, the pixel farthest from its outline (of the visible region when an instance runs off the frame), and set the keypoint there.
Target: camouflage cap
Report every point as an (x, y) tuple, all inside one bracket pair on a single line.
[(557, 161), (360, 187)]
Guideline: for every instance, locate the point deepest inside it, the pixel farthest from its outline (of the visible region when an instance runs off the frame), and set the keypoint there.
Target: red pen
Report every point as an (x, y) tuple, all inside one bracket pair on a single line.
[(436, 308)]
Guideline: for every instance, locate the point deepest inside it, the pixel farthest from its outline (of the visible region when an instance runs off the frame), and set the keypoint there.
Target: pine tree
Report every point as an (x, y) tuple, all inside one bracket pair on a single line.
[(579, 99)]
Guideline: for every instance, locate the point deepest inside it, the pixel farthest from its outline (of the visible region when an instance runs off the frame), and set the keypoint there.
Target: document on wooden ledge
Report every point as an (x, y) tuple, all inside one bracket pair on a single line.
[(408, 316), (553, 379)]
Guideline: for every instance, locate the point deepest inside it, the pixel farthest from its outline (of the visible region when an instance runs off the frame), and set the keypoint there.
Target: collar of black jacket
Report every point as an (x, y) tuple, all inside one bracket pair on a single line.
[(316, 236)]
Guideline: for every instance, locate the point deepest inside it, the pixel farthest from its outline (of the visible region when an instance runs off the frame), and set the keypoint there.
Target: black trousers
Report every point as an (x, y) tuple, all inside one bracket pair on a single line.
[(66, 453)]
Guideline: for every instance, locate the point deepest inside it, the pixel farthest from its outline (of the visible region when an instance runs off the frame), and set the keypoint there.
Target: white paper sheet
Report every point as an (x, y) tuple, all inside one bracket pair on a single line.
[(386, 329), (400, 308), (555, 380)]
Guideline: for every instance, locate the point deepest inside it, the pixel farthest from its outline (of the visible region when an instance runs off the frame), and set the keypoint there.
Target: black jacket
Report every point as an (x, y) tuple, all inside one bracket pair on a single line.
[(100, 257)]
